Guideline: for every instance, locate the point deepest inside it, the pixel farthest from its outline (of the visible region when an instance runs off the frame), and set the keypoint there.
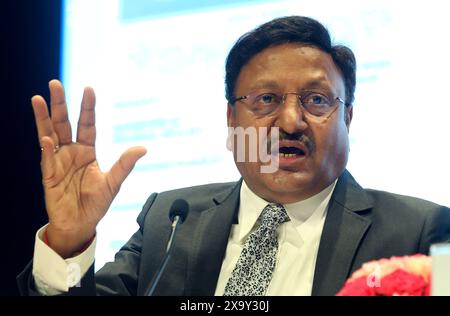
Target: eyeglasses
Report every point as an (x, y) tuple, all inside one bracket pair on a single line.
[(314, 103)]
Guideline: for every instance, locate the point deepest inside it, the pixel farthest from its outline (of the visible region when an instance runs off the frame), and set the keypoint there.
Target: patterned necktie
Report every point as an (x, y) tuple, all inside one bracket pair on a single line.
[(253, 271)]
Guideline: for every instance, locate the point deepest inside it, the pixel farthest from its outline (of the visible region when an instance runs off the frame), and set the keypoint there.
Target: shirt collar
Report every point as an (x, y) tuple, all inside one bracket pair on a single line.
[(299, 212)]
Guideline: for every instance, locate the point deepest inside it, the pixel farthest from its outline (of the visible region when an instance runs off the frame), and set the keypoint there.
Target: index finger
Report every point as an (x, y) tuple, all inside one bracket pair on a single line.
[(86, 131)]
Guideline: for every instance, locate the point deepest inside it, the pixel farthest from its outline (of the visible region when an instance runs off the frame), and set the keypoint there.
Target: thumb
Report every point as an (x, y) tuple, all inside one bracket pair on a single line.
[(122, 167)]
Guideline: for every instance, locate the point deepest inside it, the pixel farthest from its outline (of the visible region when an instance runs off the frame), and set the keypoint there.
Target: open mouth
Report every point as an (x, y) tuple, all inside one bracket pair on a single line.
[(291, 152)]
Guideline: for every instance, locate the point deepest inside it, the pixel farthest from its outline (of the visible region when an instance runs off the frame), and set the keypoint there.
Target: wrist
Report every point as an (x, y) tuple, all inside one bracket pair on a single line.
[(66, 246)]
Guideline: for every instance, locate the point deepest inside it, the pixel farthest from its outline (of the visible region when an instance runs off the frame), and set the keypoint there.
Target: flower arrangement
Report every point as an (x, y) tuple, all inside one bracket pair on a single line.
[(397, 276)]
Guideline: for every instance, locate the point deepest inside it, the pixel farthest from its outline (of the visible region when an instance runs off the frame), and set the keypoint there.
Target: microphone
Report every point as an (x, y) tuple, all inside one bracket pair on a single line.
[(177, 214)]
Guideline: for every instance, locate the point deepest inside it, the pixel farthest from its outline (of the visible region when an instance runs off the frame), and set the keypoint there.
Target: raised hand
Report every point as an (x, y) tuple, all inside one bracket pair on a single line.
[(77, 193)]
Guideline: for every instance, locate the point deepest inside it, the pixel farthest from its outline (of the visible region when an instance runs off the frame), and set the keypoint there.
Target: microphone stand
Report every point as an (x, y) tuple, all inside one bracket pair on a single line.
[(162, 267)]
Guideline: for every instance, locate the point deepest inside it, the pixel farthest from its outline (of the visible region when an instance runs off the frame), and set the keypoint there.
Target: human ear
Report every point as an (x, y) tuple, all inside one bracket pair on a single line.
[(348, 115), (230, 121), (230, 115)]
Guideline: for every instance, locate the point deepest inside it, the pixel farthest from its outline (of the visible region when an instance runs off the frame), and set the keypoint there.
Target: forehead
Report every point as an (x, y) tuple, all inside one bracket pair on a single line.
[(291, 66)]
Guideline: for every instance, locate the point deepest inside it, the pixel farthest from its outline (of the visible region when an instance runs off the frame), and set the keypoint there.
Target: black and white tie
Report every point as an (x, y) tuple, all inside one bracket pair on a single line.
[(255, 266)]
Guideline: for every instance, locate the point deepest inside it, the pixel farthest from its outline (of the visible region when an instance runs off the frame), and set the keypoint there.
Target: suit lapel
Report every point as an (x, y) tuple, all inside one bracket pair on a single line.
[(210, 242), (342, 233)]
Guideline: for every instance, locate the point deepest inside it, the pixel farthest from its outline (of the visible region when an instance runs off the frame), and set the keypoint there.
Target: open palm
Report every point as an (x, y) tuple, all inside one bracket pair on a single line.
[(77, 193)]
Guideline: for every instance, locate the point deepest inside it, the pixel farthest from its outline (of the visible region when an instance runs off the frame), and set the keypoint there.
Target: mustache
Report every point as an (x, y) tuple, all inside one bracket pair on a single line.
[(300, 137)]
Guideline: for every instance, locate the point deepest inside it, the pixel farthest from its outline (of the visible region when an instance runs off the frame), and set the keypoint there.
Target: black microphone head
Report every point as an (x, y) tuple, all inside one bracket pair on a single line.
[(179, 208)]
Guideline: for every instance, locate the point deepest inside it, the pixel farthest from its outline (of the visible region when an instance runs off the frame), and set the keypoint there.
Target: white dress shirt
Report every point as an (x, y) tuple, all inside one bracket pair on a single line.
[(298, 241), (53, 274)]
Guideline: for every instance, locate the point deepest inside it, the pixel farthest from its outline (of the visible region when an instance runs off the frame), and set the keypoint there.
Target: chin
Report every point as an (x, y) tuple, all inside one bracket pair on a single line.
[(287, 182)]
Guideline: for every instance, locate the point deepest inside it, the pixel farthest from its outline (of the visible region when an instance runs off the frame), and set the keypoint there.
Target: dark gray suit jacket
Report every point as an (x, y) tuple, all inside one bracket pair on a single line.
[(361, 225)]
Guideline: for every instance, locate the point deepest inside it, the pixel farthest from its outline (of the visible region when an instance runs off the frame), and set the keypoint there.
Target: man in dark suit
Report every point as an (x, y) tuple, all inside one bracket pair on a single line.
[(301, 228)]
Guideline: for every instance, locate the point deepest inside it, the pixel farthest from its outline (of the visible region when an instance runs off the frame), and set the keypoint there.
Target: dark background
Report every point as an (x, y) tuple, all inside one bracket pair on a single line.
[(30, 57)]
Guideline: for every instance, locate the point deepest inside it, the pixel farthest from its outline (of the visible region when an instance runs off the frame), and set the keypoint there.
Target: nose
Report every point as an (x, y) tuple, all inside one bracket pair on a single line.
[(291, 117)]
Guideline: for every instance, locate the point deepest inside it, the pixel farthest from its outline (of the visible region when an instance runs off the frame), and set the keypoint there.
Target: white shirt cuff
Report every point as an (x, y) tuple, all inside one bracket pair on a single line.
[(54, 275)]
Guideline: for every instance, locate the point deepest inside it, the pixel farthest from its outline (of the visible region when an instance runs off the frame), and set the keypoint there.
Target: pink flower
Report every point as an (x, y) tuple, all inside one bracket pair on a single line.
[(402, 283), (409, 275), (357, 287)]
